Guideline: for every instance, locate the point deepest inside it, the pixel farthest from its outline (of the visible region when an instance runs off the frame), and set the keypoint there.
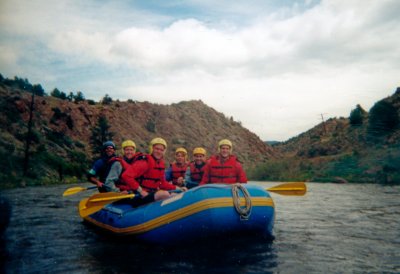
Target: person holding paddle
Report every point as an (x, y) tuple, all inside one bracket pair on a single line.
[(224, 167), (98, 174), (147, 176)]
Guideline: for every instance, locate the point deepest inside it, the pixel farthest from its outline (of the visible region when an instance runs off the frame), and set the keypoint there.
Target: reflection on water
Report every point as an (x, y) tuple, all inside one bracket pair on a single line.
[(334, 228), (225, 257)]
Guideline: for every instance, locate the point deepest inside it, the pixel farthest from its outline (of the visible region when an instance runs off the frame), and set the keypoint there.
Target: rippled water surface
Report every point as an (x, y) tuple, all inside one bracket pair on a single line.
[(334, 228)]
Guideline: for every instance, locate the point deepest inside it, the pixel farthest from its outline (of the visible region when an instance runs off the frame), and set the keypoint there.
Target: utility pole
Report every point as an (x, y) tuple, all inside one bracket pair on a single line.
[(323, 122)]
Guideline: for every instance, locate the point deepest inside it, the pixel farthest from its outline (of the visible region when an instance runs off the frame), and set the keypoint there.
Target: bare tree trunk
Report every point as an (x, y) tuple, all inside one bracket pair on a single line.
[(29, 135)]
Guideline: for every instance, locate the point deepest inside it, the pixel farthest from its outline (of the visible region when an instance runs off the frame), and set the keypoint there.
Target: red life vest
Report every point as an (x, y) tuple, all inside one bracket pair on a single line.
[(125, 163), (154, 176), (121, 160), (196, 172), (178, 171), (223, 172)]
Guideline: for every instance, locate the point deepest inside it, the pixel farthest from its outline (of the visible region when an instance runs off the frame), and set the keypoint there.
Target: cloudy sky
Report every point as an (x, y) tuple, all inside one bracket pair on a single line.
[(273, 65)]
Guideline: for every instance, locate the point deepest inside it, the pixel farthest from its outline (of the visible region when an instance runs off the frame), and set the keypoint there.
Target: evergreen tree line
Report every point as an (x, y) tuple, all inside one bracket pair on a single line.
[(23, 84), (383, 118), (37, 89)]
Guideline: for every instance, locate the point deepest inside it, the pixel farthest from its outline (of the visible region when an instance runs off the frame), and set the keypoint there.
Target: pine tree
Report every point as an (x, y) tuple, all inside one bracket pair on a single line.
[(55, 93), (383, 119), (100, 134), (357, 116), (79, 97), (58, 94), (38, 90), (106, 100)]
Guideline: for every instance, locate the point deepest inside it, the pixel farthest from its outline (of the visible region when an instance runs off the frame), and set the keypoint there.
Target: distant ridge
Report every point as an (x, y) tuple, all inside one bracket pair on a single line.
[(337, 150), (63, 128), (271, 143)]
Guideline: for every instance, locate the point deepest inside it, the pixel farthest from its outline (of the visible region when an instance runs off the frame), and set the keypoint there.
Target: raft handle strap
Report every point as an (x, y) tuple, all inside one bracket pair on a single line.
[(244, 212)]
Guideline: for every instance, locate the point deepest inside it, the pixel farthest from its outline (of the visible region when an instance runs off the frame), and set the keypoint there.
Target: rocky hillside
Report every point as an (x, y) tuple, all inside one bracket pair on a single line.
[(365, 147), (341, 150), (338, 135), (62, 129)]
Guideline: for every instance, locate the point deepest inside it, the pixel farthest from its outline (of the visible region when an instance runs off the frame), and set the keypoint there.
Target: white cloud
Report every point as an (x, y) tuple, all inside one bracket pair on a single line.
[(185, 44), (86, 47), (275, 68), (8, 57)]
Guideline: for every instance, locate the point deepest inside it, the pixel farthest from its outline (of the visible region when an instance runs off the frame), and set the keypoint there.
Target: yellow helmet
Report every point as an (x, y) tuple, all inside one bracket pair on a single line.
[(224, 142), (181, 149), (157, 141), (199, 150), (128, 143)]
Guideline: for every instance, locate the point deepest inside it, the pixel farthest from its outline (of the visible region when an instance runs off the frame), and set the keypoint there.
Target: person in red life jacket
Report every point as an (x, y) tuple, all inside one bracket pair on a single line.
[(98, 174), (224, 167), (118, 165), (147, 176), (176, 172), (195, 170)]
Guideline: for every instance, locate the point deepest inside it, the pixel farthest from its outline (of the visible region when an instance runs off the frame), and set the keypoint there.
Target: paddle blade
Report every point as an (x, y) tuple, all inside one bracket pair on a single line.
[(97, 201), (293, 189), (73, 190), (85, 211)]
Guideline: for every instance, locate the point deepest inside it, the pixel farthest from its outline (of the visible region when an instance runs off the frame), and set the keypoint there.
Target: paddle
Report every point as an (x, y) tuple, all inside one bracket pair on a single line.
[(294, 189), (97, 201), (74, 190), (108, 197)]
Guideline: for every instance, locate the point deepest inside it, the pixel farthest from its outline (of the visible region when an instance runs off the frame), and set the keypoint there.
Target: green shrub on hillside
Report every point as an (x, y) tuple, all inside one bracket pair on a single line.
[(59, 138), (151, 126), (10, 111), (65, 166), (281, 170), (58, 94), (357, 116), (106, 100), (79, 97), (383, 119), (347, 167)]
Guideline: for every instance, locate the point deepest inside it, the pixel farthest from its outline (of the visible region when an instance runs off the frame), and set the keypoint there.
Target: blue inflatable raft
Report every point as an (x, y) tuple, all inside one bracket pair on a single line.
[(205, 211)]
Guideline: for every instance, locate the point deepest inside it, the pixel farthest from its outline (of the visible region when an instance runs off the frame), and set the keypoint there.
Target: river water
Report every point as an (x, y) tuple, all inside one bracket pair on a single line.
[(334, 228)]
